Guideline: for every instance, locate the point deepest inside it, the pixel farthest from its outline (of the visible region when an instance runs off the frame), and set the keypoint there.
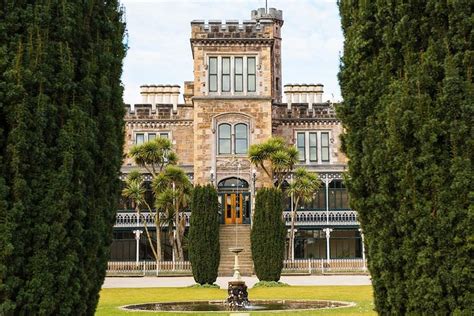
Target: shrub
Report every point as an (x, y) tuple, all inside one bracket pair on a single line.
[(268, 234), (203, 238)]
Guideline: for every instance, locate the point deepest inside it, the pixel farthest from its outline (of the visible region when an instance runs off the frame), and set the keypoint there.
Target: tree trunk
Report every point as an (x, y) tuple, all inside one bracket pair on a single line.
[(292, 230)]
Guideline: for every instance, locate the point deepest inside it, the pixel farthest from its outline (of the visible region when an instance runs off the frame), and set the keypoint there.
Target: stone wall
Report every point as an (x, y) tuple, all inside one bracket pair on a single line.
[(209, 113)]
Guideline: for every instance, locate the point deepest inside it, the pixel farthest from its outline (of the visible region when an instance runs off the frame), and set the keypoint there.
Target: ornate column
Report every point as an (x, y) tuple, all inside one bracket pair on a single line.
[(137, 233), (328, 251), (363, 249)]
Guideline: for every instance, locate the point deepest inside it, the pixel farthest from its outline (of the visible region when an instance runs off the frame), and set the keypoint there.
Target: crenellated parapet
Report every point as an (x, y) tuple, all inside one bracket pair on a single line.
[(263, 26)]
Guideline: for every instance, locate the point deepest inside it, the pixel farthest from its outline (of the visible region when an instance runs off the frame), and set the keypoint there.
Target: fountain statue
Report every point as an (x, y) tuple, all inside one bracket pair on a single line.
[(237, 290)]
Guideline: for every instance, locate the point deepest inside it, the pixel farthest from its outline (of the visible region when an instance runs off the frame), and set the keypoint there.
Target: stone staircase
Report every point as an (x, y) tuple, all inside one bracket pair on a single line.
[(227, 240)]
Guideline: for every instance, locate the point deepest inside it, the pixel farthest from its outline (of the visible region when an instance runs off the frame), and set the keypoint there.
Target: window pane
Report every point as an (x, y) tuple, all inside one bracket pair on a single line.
[(251, 79), (325, 154), (312, 139), (241, 139), (251, 83), (313, 154), (251, 65), (241, 146), (139, 139), (324, 139), (224, 139), (325, 147), (224, 146), (213, 83), (213, 65), (224, 131), (241, 131), (225, 83), (239, 83), (300, 143), (239, 69), (151, 136), (226, 65), (313, 147), (164, 135)]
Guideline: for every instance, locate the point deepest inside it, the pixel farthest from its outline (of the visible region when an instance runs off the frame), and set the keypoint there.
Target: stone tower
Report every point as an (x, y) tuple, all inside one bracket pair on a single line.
[(237, 77)]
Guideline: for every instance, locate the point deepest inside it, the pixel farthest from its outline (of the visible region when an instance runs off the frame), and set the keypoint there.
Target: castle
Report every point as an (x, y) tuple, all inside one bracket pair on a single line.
[(234, 101)]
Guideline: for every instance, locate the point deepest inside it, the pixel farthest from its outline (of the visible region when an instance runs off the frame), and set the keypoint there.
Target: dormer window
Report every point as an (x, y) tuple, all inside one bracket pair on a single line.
[(232, 74)]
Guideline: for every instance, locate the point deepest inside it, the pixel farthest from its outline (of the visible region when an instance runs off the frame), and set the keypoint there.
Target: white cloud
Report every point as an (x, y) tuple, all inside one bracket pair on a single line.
[(160, 52)]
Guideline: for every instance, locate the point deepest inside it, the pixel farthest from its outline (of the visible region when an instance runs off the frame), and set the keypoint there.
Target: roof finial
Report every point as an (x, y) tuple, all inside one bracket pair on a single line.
[(266, 6)]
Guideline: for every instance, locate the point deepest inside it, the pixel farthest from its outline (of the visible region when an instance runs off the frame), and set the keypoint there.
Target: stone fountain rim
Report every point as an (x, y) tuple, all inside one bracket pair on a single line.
[(348, 304)]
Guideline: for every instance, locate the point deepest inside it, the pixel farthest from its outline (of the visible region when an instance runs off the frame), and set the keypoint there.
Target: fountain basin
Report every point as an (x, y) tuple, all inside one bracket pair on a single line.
[(255, 305)]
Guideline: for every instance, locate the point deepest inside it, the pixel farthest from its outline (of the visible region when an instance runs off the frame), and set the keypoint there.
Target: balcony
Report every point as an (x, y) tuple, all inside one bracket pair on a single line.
[(320, 218), (130, 219), (303, 218)]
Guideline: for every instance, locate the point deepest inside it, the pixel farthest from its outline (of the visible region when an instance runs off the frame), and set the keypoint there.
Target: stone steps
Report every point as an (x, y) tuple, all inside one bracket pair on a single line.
[(227, 235)]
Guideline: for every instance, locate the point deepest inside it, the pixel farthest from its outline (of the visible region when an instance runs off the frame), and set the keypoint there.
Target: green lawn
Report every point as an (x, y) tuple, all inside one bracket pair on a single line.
[(111, 299)]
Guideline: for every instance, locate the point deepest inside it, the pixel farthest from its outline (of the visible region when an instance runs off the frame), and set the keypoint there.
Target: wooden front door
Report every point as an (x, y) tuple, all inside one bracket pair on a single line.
[(233, 208)]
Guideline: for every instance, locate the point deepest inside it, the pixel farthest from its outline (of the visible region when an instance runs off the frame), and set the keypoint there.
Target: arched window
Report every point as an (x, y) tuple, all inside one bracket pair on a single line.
[(241, 139), (224, 139), (232, 183)]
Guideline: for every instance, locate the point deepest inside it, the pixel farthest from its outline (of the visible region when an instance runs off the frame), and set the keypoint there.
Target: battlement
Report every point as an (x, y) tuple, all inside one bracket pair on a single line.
[(273, 14), (261, 26)]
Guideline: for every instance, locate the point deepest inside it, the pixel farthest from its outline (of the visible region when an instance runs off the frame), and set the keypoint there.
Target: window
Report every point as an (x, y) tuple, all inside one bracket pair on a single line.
[(142, 137), (251, 74), (325, 147), (233, 139), (224, 139), (225, 74), (241, 139), (313, 147), (310, 150), (213, 74), (338, 196), (232, 74), (300, 143), (239, 74), (139, 138)]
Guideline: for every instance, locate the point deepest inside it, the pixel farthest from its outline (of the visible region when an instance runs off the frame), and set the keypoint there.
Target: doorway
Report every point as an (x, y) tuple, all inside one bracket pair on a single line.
[(233, 208)]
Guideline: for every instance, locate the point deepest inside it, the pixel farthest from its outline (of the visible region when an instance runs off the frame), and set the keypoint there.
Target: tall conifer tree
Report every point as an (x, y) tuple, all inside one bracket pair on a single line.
[(406, 80), (61, 137)]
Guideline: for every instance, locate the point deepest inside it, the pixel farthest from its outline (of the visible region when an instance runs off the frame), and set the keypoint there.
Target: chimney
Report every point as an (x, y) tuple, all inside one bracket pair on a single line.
[(303, 93)]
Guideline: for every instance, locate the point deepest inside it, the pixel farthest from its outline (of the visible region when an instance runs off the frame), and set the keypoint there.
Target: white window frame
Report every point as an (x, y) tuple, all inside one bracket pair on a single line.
[(232, 139), (232, 91), (146, 133), (319, 155)]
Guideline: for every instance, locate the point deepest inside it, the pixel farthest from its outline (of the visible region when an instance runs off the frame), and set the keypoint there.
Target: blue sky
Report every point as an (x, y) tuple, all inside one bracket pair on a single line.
[(160, 53)]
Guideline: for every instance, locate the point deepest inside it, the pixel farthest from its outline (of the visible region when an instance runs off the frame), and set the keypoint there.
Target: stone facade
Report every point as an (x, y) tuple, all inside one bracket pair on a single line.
[(193, 126), (237, 84)]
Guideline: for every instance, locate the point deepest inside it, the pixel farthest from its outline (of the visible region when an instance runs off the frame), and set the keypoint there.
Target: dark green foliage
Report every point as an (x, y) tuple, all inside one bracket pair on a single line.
[(203, 238), (406, 79), (61, 137), (268, 234)]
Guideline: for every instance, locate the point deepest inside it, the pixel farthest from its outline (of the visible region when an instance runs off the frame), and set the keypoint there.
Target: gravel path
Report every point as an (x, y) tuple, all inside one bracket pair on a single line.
[(314, 280)]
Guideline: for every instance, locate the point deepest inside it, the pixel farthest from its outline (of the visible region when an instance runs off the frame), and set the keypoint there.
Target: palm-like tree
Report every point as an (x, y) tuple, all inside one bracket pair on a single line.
[(154, 155), (135, 191), (275, 158), (303, 187), (173, 189)]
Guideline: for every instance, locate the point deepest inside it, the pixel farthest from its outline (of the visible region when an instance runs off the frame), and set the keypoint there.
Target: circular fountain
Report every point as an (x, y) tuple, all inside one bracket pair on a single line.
[(219, 306)]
